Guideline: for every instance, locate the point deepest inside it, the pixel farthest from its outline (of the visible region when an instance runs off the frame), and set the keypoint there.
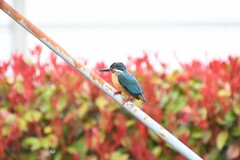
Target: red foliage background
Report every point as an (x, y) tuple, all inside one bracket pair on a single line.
[(49, 110)]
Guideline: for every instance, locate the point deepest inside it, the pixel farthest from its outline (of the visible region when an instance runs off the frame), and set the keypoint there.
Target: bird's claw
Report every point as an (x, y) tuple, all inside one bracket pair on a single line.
[(117, 92), (125, 100)]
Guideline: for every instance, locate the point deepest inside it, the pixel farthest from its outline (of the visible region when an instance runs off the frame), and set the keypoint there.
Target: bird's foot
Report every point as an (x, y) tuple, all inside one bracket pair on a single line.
[(125, 100), (117, 92)]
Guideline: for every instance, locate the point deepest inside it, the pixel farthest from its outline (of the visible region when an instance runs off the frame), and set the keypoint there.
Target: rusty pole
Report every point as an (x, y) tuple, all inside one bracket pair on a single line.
[(100, 83)]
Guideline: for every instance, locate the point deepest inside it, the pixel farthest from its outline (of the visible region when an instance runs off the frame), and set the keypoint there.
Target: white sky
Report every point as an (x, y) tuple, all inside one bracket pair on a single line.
[(111, 30)]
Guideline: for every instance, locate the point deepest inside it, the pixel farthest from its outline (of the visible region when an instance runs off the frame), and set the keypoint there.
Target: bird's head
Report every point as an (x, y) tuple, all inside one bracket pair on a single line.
[(115, 67)]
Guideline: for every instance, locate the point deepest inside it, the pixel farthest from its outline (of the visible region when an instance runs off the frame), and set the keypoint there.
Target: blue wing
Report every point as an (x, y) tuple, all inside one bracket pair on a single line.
[(130, 83)]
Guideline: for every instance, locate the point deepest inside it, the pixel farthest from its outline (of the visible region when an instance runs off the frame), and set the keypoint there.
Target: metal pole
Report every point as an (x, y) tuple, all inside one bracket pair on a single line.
[(99, 82)]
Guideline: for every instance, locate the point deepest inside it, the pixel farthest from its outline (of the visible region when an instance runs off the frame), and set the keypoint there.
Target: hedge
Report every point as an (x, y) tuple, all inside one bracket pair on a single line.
[(48, 110)]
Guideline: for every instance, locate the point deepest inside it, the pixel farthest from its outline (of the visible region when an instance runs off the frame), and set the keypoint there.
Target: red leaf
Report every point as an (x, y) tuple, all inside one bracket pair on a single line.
[(233, 151)]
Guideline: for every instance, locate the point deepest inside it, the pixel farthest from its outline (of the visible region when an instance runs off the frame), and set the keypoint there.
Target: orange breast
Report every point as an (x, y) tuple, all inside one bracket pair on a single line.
[(117, 84)]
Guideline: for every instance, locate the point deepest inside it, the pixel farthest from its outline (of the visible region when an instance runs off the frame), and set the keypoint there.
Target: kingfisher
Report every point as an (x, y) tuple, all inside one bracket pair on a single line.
[(125, 82)]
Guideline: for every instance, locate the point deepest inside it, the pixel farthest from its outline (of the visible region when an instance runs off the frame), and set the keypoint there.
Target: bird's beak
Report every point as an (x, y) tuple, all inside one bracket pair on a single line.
[(105, 70)]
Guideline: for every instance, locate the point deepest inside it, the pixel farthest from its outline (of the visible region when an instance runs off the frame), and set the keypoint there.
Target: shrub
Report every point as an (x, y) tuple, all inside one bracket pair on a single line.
[(49, 110)]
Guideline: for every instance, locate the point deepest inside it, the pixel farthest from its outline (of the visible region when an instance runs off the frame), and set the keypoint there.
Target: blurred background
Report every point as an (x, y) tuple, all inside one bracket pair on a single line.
[(49, 111), (113, 30)]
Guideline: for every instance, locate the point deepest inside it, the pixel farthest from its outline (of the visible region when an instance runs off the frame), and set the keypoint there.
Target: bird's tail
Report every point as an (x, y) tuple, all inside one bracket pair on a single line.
[(141, 96)]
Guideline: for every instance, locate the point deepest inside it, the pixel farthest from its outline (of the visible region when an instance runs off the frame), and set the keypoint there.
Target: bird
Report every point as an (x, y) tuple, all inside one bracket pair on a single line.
[(124, 82)]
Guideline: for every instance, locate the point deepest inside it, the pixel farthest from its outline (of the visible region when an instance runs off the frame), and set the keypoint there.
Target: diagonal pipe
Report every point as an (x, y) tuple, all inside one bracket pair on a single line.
[(99, 82)]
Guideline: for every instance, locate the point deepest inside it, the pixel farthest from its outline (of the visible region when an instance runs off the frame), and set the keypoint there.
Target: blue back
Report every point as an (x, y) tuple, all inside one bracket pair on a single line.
[(129, 82)]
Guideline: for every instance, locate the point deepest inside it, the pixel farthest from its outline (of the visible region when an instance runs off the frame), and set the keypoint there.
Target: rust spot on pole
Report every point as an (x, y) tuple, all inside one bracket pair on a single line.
[(95, 77), (110, 88), (131, 105), (135, 110), (162, 135), (1, 3), (76, 64)]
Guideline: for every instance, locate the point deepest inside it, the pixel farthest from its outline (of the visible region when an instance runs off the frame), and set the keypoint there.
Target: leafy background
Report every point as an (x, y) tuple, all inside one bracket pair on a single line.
[(50, 111)]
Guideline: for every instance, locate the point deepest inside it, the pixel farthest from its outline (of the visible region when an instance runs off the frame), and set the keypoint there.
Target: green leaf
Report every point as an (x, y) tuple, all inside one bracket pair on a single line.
[(83, 110), (62, 103), (71, 150), (221, 139), (58, 156), (20, 108), (164, 100), (28, 156), (218, 106), (101, 102), (236, 109), (78, 146), (203, 112), (45, 143), (118, 155), (178, 104), (65, 131), (175, 94), (196, 133), (3, 88), (22, 124), (197, 84), (52, 138), (126, 141), (235, 131), (5, 104), (5, 130), (46, 91), (206, 136), (224, 93), (46, 108), (131, 122), (31, 142), (213, 154), (11, 118), (230, 116), (32, 116), (157, 151), (47, 129), (19, 87), (219, 120), (39, 90), (153, 135)]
